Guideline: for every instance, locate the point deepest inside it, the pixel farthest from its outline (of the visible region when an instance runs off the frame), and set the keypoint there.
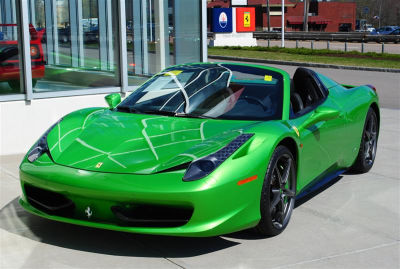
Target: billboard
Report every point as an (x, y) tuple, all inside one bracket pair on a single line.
[(239, 2), (245, 19), (222, 20)]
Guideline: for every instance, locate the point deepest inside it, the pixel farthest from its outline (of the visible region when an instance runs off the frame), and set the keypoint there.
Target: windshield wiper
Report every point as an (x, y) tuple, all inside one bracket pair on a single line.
[(127, 109), (185, 115), (130, 109), (158, 112)]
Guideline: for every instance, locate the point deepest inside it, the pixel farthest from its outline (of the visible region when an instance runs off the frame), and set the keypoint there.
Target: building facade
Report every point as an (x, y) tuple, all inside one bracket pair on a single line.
[(323, 16), (60, 55)]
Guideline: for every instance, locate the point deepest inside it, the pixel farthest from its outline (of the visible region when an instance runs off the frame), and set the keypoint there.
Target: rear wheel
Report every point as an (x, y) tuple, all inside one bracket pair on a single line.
[(278, 193), (366, 154)]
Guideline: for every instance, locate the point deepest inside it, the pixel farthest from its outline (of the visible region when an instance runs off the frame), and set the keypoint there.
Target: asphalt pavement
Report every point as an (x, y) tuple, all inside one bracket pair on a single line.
[(352, 223), (386, 83)]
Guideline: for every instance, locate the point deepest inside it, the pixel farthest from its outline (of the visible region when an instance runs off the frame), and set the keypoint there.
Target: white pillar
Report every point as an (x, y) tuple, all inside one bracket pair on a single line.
[(123, 60), (160, 32), (204, 49)]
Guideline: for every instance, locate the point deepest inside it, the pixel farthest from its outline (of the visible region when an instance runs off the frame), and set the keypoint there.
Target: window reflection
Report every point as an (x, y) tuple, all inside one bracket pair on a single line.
[(78, 44), (9, 55), (75, 44)]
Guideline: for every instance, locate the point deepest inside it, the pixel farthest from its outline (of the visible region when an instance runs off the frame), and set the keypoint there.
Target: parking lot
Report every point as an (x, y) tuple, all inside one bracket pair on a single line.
[(352, 223)]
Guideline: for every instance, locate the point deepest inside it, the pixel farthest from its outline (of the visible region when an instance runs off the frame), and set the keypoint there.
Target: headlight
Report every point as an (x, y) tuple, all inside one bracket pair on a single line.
[(41, 146), (204, 166)]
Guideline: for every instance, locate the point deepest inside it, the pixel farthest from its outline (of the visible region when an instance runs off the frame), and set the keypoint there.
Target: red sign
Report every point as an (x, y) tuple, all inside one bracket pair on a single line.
[(245, 19)]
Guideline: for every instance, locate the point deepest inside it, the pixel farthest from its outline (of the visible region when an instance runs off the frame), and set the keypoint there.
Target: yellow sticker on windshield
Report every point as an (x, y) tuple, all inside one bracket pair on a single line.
[(268, 78), (173, 72)]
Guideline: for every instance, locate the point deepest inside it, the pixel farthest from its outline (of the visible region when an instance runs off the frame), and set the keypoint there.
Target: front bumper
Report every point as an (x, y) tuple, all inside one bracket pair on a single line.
[(13, 72), (219, 204)]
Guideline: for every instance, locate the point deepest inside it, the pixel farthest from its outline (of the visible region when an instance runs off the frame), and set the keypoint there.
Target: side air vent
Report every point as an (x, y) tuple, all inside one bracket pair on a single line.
[(152, 215), (49, 202)]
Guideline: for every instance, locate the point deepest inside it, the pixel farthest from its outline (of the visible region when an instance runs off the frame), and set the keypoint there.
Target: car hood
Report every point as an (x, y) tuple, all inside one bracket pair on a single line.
[(109, 141)]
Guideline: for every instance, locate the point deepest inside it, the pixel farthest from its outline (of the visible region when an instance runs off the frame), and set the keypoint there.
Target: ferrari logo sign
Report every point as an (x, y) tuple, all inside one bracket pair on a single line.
[(99, 165), (246, 19)]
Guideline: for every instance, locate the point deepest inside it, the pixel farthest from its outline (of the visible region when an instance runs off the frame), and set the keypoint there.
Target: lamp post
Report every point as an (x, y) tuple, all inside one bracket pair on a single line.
[(380, 9), (305, 20), (283, 23), (269, 28)]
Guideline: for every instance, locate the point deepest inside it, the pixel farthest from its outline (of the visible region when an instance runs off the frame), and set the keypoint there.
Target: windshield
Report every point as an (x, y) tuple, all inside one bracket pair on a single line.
[(221, 91), (8, 32)]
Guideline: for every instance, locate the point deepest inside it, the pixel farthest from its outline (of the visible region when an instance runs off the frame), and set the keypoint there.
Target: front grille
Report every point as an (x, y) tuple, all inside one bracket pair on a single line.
[(128, 215), (152, 215), (49, 202)]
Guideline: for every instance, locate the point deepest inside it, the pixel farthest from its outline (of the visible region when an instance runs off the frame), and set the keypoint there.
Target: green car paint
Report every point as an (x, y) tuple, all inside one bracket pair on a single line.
[(100, 158)]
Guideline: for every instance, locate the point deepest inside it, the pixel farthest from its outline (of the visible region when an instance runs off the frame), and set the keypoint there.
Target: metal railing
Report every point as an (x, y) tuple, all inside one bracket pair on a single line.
[(340, 37), (343, 37)]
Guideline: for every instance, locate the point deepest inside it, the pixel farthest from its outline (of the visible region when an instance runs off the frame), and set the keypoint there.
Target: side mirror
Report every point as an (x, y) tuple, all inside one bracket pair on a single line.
[(113, 100), (322, 113)]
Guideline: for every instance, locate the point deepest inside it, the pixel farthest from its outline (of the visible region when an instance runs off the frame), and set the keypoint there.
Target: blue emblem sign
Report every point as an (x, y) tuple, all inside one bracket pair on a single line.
[(222, 20)]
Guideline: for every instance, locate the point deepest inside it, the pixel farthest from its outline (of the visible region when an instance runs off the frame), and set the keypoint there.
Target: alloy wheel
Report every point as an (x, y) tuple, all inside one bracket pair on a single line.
[(282, 191), (370, 140)]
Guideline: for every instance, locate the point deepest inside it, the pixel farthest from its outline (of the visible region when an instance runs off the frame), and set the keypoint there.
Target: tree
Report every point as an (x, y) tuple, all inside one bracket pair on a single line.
[(388, 11)]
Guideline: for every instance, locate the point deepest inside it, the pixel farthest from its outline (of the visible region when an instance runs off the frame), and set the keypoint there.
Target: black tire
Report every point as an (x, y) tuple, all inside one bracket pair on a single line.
[(16, 84), (369, 140), (278, 193)]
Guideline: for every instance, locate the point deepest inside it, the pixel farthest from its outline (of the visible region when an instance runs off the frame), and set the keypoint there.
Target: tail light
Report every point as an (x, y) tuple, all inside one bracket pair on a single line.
[(34, 52), (372, 87)]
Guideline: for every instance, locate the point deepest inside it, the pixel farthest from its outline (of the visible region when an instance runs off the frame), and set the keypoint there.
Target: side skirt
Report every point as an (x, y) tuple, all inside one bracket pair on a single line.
[(317, 185)]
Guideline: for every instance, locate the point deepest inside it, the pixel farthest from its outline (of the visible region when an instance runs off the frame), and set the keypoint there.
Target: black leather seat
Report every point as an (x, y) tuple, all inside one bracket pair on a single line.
[(296, 102)]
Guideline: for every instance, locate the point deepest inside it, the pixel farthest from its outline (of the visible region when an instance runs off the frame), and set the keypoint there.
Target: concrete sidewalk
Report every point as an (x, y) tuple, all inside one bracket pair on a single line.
[(355, 223)]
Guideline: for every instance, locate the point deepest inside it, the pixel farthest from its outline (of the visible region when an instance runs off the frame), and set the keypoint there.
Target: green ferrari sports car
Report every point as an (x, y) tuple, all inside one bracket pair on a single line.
[(201, 149)]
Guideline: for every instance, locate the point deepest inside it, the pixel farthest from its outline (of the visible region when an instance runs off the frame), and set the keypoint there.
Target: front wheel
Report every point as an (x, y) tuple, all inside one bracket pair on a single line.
[(278, 193)]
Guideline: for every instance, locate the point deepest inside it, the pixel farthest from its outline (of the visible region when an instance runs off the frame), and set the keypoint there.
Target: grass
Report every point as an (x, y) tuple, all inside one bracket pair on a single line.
[(337, 57)]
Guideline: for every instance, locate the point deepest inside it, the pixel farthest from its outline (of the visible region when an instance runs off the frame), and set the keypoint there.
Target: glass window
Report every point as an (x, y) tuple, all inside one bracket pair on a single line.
[(154, 41), (76, 45), (10, 65), (187, 28)]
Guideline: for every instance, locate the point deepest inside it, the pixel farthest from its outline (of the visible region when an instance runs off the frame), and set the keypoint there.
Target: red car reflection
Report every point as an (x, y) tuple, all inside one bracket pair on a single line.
[(9, 60)]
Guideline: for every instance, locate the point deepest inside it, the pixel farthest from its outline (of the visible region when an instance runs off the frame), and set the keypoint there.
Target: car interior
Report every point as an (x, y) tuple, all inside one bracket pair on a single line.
[(305, 92)]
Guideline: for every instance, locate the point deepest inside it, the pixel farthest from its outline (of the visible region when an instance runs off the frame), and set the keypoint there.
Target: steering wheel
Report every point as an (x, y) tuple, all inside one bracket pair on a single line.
[(255, 100)]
